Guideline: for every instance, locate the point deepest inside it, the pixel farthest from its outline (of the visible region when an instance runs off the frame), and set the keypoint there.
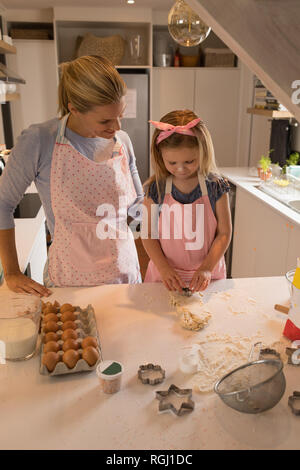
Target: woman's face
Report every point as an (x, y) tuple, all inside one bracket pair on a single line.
[(100, 121)]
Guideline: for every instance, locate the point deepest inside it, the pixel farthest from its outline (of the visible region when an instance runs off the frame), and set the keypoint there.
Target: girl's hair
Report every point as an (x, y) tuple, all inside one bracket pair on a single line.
[(202, 140), (87, 82)]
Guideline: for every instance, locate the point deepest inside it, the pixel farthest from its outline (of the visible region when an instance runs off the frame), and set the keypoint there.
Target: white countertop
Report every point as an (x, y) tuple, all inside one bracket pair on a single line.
[(26, 231), (136, 325), (243, 177)]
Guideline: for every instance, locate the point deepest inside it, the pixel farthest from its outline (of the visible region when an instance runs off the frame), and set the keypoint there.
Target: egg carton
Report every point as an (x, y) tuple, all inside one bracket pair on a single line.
[(87, 326)]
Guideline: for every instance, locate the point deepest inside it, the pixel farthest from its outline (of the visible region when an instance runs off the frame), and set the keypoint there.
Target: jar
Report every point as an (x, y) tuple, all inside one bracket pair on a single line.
[(19, 325)]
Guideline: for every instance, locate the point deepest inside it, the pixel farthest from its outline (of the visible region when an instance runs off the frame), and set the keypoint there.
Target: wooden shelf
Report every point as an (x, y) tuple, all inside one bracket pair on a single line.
[(10, 97), (270, 113), (6, 48)]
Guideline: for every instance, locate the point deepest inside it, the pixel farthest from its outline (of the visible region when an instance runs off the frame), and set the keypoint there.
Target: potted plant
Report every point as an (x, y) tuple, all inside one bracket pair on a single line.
[(264, 170)]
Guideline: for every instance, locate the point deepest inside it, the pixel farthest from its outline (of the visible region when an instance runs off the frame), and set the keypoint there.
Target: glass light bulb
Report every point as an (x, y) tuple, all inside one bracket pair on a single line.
[(185, 26)]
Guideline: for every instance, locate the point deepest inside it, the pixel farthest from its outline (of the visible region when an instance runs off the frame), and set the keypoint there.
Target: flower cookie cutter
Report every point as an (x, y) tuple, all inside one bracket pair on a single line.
[(165, 402), (293, 399), (145, 372), (293, 353)]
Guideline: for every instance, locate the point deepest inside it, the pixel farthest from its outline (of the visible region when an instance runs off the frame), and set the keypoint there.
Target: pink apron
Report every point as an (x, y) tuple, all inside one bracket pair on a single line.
[(90, 199), (186, 261)]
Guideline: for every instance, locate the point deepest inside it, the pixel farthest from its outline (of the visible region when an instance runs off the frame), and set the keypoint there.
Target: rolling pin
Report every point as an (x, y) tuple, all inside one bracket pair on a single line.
[(281, 308)]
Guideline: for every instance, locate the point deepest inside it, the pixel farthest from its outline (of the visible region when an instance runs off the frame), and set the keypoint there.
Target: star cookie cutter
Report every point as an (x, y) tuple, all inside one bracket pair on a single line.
[(293, 399), (165, 404), (144, 369)]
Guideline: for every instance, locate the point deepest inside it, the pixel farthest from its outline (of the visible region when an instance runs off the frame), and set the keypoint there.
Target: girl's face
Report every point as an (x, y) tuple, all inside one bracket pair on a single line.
[(182, 162), (100, 121)]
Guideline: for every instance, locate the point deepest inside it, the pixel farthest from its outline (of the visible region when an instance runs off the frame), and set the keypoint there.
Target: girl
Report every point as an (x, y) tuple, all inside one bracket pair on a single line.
[(194, 228), (84, 169)]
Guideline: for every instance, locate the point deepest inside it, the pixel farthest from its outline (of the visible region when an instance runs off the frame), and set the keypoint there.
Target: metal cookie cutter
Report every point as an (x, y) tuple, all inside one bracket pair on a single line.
[(293, 356), (166, 404), (269, 352), (158, 373), (293, 399), (186, 292)]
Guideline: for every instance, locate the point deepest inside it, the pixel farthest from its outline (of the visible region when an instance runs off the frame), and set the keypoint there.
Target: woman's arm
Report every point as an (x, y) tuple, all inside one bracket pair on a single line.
[(220, 244), (153, 248), (15, 279), (20, 171)]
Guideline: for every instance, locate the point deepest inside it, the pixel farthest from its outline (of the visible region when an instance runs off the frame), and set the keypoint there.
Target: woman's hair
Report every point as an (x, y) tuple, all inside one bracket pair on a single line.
[(87, 82), (202, 140)]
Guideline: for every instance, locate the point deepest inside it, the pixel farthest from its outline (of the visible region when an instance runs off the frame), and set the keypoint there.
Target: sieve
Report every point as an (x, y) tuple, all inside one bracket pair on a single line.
[(253, 387)]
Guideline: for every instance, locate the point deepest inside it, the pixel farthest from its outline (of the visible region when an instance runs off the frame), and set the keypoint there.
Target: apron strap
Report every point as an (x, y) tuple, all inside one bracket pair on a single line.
[(169, 181), (202, 184), (60, 136)]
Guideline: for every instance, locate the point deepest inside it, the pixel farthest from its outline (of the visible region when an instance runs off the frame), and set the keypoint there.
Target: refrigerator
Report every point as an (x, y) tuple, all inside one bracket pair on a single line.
[(135, 121)]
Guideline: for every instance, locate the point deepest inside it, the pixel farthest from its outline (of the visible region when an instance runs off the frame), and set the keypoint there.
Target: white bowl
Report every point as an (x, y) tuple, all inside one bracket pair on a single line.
[(289, 277)]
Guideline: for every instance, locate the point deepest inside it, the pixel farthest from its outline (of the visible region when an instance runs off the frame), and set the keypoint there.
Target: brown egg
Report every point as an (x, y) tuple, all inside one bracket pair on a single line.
[(50, 317), (70, 344), (69, 325), (67, 308), (90, 355), (89, 341), (50, 359), (49, 309), (69, 334), (51, 337), (51, 346), (66, 316), (70, 358), (51, 326)]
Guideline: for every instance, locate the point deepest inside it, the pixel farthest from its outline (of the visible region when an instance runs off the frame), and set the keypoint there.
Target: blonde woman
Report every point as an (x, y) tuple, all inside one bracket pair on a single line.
[(186, 218), (84, 169)]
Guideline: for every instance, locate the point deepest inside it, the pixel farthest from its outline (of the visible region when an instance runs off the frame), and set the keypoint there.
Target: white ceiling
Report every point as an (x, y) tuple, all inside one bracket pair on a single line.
[(30, 4)]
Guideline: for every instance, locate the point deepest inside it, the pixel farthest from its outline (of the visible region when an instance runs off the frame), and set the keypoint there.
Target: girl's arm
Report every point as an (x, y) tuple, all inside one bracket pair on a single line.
[(220, 244), (153, 248)]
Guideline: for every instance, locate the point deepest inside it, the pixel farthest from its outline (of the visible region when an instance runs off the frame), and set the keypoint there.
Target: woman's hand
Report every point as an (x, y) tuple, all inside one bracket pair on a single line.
[(200, 280), (171, 279), (22, 284)]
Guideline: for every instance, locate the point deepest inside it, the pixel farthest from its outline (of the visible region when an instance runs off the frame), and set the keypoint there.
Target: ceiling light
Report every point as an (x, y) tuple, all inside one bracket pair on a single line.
[(130, 1), (185, 26)]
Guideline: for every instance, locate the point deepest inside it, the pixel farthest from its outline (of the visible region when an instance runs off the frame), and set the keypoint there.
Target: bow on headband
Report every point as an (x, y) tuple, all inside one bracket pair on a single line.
[(169, 129)]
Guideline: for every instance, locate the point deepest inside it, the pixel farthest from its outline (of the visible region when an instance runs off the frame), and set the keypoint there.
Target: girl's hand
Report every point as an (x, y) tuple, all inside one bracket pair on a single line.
[(171, 279), (200, 281), (22, 284)]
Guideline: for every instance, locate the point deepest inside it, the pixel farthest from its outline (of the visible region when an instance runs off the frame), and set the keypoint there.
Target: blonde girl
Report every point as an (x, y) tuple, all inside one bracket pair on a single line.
[(84, 169), (186, 242)]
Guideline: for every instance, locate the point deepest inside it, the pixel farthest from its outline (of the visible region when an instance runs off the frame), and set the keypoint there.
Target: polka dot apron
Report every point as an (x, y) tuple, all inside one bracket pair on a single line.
[(92, 244)]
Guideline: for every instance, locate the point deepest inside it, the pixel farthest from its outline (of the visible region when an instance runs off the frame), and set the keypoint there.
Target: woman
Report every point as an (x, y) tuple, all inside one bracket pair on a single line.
[(84, 169)]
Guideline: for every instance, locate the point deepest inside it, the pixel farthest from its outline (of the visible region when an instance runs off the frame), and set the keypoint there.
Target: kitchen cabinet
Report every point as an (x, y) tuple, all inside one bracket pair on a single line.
[(264, 242), (172, 88), (36, 63), (217, 103)]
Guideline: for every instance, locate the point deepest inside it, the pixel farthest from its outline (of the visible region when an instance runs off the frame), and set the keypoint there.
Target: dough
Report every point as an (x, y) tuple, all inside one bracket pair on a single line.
[(193, 321)]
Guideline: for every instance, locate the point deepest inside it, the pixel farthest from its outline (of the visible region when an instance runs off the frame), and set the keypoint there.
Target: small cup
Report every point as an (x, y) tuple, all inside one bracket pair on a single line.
[(110, 375)]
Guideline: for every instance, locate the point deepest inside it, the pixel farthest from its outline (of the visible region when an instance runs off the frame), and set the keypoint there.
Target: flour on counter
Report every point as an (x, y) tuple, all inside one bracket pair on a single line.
[(193, 321)]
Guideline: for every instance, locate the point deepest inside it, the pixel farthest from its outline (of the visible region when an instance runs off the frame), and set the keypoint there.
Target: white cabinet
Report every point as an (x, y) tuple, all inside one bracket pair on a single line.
[(217, 103), (262, 239), (38, 256), (172, 89), (293, 251), (36, 63), (213, 94)]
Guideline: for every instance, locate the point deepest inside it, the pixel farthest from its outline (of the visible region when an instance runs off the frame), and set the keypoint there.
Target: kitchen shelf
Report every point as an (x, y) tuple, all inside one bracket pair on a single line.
[(270, 113), (6, 48), (11, 97)]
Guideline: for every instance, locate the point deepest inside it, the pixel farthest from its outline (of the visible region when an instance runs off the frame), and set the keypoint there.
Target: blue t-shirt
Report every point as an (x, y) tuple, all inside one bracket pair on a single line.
[(216, 187)]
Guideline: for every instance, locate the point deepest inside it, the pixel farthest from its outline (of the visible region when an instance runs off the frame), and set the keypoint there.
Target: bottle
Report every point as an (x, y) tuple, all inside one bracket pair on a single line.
[(177, 58)]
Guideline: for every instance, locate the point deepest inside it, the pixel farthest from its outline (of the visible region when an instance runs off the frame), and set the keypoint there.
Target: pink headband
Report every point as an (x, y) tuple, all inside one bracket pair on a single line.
[(169, 129)]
